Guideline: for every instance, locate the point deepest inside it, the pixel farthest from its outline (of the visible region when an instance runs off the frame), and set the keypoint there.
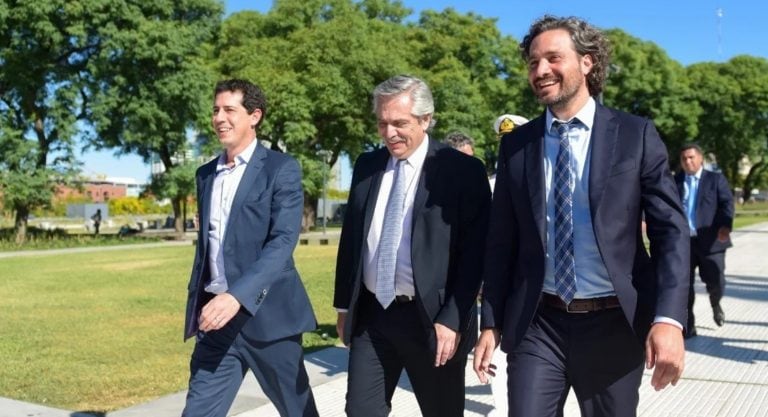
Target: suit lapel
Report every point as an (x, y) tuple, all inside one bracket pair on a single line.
[(427, 173), (379, 167), (534, 162), (605, 132), (252, 169), (702, 189), (207, 174)]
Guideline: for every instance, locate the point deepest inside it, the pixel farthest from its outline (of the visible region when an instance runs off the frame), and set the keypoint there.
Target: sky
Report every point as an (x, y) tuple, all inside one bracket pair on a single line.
[(690, 31)]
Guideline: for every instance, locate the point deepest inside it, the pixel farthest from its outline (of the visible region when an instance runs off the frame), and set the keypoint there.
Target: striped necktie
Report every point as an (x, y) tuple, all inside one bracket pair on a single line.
[(565, 267), (389, 241)]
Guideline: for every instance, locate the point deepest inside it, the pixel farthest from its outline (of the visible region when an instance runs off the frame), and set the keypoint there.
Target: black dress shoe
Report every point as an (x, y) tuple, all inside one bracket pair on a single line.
[(690, 333), (718, 315)]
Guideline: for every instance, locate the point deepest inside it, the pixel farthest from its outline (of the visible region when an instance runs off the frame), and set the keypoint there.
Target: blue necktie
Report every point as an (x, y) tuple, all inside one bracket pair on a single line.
[(389, 241), (565, 267), (690, 201)]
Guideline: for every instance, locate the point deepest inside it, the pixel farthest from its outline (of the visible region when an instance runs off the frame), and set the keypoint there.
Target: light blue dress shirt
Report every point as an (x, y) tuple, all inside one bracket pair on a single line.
[(690, 193), (592, 278)]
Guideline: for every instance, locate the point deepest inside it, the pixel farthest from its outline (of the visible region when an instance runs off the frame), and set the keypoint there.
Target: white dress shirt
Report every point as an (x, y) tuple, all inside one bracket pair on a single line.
[(225, 186), (403, 270)]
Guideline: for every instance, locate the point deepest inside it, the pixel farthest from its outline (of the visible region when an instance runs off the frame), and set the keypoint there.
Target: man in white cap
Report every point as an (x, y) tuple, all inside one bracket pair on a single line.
[(503, 125)]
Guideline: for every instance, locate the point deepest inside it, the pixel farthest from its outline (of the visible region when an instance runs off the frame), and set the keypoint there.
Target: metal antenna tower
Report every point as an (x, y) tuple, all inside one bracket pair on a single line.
[(719, 14)]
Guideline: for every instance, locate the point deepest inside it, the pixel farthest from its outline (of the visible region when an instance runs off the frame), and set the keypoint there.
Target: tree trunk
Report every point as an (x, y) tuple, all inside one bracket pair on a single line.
[(309, 214), (749, 180), (178, 223), (22, 215)]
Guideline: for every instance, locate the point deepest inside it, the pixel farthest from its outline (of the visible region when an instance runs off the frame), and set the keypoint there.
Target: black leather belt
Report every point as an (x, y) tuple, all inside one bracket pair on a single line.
[(580, 305), (402, 299)]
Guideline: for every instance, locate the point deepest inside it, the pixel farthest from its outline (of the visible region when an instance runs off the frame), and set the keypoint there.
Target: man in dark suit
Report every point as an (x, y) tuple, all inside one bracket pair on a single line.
[(708, 204), (569, 288), (247, 305), (410, 258)]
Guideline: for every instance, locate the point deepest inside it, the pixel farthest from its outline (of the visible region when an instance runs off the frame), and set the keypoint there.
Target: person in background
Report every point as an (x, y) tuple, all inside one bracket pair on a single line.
[(409, 261), (569, 289), (708, 203), (247, 306), (461, 142), (503, 125), (96, 218)]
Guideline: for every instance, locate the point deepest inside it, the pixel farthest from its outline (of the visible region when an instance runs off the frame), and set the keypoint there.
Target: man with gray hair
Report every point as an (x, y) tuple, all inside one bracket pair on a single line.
[(409, 260)]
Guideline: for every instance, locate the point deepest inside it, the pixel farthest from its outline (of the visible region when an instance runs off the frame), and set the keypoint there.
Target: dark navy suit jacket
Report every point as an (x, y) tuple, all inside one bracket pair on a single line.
[(261, 235), (714, 209), (629, 176), (450, 219)]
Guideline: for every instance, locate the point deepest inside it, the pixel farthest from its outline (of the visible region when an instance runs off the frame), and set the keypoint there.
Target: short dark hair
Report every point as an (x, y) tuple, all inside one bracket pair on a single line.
[(457, 139), (692, 145), (587, 40), (253, 97)]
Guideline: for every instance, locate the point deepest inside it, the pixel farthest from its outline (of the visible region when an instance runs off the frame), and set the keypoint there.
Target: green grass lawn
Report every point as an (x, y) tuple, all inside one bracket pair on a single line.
[(103, 330)]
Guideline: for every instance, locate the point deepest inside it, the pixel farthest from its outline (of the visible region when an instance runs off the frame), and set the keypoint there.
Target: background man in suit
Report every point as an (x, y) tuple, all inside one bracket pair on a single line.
[(708, 203), (410, 258), (247, 305), (568, 285), (461, 142)]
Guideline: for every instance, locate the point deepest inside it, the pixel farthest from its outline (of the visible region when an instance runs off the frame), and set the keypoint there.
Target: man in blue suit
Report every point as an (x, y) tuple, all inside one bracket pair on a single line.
[(247, 305), (708, 203), (569, 289)]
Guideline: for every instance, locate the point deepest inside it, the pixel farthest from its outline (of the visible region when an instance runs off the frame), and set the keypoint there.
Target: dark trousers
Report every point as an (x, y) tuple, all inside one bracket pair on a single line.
[(384, 343), (219, 363), (712, 272), (596, 353)]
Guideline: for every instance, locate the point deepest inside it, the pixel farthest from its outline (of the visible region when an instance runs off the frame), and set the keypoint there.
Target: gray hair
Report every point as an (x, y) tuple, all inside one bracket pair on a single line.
[(457, 140), (421, 96), (587, 40)]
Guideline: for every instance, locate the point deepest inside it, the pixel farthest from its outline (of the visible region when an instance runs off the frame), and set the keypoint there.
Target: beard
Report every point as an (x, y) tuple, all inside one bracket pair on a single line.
[(569, 88)]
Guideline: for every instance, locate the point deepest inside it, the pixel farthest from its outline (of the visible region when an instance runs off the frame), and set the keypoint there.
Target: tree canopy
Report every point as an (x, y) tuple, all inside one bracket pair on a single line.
[(136, 77)]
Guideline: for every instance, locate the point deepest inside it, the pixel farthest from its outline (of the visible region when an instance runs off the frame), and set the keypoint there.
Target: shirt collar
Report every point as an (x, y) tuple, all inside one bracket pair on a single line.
[(586, 116), (240, 159), (697, 175), (417, 157)]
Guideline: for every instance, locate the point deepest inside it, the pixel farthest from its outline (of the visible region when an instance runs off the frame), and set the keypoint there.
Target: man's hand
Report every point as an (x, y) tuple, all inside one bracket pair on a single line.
[(340, 319), (486, 344), (447, 342), (665, 351), (723, 234), (218, 312)]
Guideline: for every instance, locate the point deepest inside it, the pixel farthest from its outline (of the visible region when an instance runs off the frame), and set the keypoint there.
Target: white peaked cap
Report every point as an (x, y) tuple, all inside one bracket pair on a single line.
[(517, 120)]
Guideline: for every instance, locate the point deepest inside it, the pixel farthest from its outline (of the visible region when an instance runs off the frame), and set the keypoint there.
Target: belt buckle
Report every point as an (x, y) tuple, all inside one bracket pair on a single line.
[(568, 310)]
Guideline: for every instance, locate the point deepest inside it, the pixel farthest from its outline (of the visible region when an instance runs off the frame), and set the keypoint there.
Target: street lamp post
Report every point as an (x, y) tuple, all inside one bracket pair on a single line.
[(324, 154)]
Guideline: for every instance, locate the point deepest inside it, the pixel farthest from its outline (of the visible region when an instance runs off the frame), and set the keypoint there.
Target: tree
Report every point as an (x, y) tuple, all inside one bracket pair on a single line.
[(122, 74), (319, 60), (45, 51), (157, 86), (643, 80), (475, 73), (734, 123)]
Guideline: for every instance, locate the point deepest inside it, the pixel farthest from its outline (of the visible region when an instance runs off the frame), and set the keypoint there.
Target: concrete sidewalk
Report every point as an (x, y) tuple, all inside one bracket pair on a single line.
[(726, 367)]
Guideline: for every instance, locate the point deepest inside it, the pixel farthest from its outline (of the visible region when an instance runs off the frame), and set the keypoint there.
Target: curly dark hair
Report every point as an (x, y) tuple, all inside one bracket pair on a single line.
[(587, 40), (253, 97)]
